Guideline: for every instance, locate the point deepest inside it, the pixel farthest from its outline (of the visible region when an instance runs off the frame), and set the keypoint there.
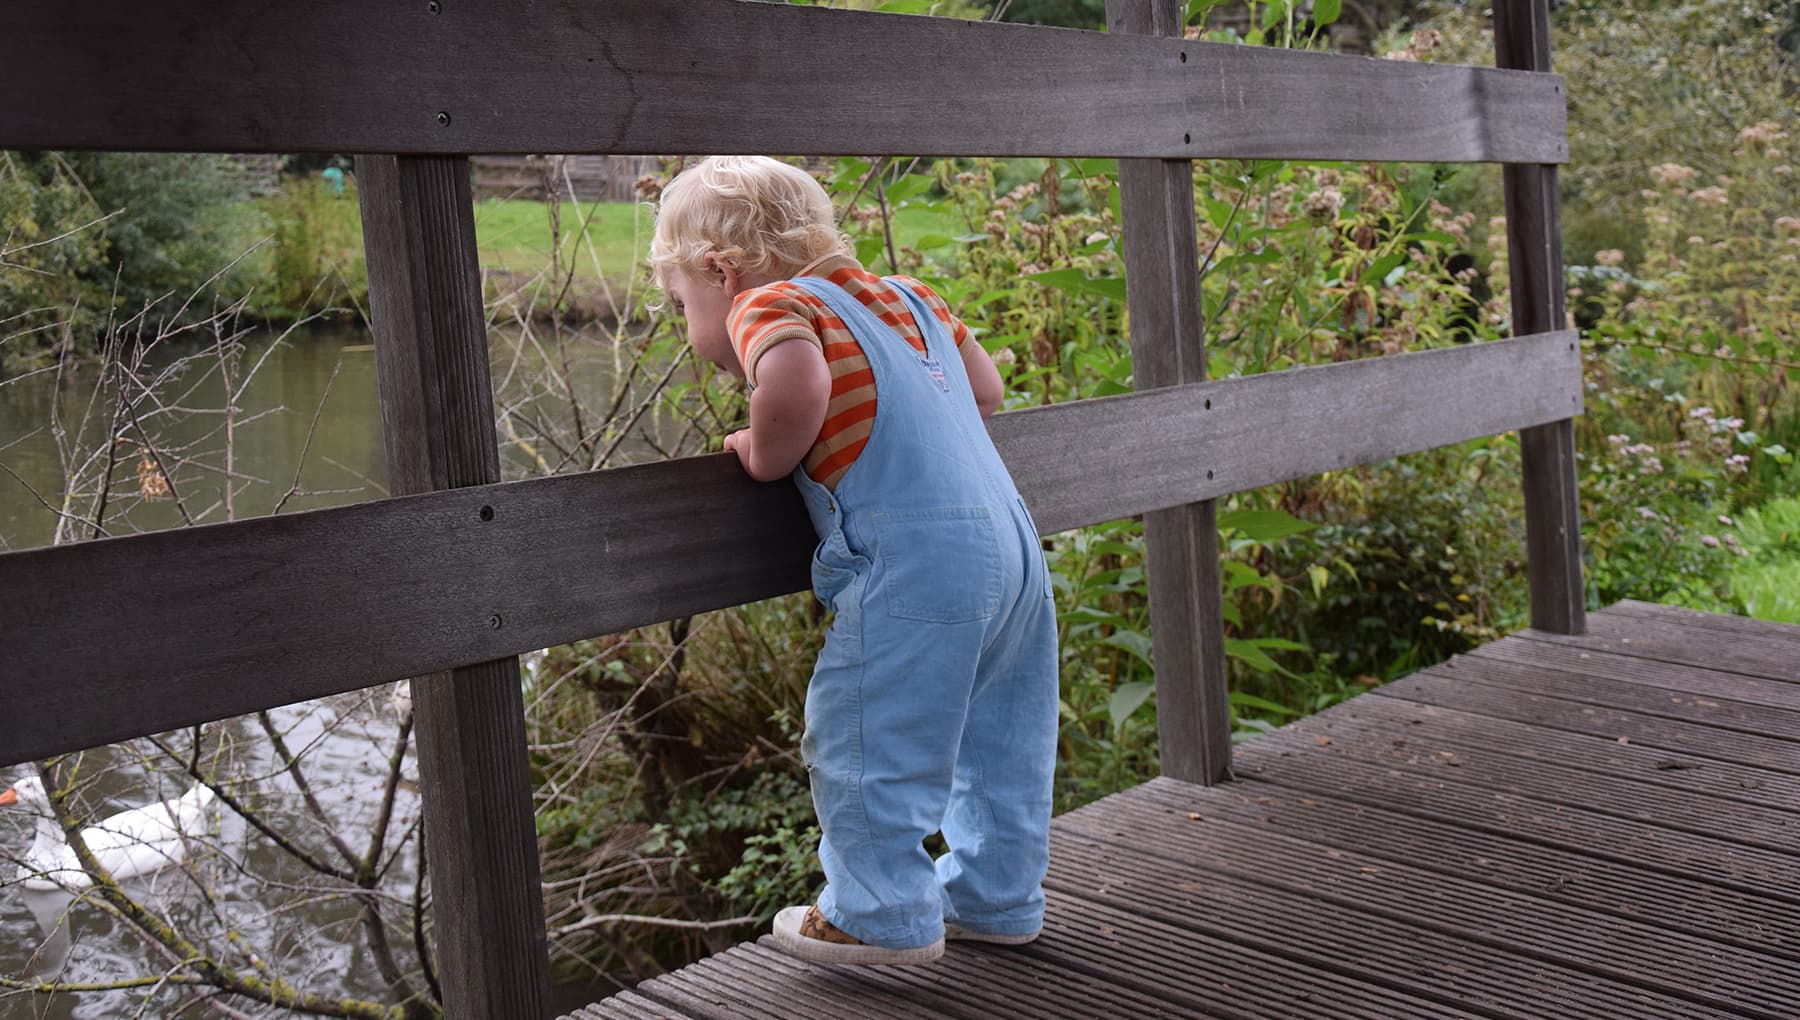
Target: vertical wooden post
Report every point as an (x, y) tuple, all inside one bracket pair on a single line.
[(1168, 347), (437, 410), (1534, 244)]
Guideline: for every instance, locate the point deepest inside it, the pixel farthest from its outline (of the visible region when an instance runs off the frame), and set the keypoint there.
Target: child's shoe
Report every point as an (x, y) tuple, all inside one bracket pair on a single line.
[(958, 934), (803, 932)]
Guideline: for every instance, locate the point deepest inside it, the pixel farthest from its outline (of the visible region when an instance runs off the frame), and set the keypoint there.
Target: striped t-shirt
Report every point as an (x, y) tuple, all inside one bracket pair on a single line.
[(780, 311)]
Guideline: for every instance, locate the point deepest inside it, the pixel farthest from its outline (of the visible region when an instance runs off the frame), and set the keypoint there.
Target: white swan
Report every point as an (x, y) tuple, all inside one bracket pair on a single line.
[(128, 844)]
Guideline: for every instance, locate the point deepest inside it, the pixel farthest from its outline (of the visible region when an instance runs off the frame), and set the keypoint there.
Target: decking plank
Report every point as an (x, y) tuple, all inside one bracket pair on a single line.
[(1444, 799), (1680, 962), (1501, 861), (1715, 743), (1207, 976), (1673, 641), (627, 1006), (1689, 681), (1387, 716), (1319, 933), (1745, 626)]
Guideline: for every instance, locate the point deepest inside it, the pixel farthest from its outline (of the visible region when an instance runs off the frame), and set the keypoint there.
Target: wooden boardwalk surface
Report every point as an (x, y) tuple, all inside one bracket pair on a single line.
[(1594, 827)]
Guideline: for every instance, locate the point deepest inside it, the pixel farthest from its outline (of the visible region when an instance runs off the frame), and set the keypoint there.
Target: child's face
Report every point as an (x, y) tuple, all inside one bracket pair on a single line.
[(705, 301)]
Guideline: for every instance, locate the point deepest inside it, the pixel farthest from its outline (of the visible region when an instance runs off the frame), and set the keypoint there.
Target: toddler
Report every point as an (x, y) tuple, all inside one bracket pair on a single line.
[(933, 706)]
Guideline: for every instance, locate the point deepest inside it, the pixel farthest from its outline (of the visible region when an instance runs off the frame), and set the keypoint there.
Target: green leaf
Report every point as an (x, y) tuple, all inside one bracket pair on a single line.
[(1126, 699), (908, 186), (1073, 281), (1382, 267), (1326, 12), (1242, 575), (1264, 525), (930, 241), (868, 249), (1241, 700), (907, 7), (1253, 656), (1218, 212), (1131, 641)]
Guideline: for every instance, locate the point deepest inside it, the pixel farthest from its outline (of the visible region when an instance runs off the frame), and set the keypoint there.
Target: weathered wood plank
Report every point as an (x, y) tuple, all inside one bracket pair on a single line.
[(1534, 246), (1718, 622), (646, 77), (1500, 860), (1446, 800), (1318, 930), (306, 605), (1205, 975), (1721, 780), (1579, 668), (1662, 641), (1678, 962), (1498, 693), (437, 408), (1094, 461), (1168, 348), (627, 1006), (1709, 731), (1431, 748)]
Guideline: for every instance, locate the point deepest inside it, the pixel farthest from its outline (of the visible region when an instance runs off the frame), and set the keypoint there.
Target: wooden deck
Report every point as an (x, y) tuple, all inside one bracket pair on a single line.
[(1603, 826)]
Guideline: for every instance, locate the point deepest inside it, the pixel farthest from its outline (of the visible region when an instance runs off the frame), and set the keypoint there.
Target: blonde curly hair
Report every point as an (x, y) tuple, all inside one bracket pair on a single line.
[(752, 213)]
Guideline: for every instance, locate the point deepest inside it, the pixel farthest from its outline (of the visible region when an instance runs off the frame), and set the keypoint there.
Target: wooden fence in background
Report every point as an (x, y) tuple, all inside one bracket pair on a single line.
[(457, 575), (572, 178)]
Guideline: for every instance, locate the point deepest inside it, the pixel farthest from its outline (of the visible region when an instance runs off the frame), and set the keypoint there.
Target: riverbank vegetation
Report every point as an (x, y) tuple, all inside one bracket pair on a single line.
[(672, 807)]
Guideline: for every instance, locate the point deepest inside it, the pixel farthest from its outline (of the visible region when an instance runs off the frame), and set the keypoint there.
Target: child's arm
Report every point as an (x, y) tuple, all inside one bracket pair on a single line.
[(984, 377), (787, 409)]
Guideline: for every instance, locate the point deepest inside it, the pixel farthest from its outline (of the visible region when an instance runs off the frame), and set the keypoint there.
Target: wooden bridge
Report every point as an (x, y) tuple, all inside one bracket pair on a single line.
[(1599, 826), (1520, 833)]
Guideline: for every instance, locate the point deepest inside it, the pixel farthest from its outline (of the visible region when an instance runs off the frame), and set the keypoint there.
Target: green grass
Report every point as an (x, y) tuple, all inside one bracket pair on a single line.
[(513, 235)]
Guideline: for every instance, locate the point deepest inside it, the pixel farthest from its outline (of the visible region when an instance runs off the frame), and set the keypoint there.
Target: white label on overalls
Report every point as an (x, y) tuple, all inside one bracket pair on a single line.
[(936, 368)]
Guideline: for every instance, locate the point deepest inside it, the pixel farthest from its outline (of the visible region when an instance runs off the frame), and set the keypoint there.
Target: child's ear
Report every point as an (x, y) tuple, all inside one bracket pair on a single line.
[(734, 280)]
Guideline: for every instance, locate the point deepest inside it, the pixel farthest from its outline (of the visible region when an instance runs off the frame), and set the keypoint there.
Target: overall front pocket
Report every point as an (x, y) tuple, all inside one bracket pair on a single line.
[(940, 565)]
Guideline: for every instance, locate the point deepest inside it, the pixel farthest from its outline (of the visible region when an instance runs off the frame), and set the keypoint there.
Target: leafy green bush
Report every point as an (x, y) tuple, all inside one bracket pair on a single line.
[(51, 252), (1764, 579), (93, 238), (314, 254)]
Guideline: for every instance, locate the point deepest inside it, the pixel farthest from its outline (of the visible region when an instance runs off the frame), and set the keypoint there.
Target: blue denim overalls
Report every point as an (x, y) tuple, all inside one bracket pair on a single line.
[(934, 702)]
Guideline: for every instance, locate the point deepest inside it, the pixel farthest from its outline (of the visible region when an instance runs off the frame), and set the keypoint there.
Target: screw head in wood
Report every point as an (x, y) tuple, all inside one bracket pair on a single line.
[(443, 119), (487, 513), (433, 6), (495, 622)]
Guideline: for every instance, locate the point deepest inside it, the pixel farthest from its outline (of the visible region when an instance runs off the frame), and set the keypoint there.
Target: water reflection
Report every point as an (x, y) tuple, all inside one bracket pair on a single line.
[(291, 382)]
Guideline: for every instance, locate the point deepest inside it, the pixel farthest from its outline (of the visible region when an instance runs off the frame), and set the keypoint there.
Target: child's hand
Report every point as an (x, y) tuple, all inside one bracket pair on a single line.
[(739, 443)]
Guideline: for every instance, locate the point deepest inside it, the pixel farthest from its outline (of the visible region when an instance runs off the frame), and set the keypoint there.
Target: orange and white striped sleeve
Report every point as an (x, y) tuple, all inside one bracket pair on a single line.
[(959, 331), (763, 317)]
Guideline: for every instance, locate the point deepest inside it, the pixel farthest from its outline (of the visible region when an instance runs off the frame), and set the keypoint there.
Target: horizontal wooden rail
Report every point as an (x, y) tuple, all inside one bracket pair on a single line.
[(701, 76), (128, 636)]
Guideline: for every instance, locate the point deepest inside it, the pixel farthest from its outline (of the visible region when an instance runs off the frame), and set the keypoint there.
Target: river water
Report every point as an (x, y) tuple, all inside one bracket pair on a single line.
[(289, 922)]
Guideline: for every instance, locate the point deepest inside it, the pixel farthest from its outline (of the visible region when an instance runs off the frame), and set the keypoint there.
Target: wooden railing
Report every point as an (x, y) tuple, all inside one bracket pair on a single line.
[(457, 575)]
